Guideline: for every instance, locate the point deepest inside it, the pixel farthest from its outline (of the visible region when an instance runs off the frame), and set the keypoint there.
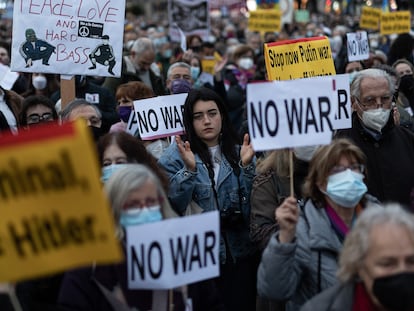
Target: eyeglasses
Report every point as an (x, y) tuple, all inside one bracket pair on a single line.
[(147, 202), (36, 118), (356, 167), (371, 102)]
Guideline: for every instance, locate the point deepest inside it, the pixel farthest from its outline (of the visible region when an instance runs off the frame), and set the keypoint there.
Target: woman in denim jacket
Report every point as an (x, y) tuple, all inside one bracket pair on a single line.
[(211, 170)]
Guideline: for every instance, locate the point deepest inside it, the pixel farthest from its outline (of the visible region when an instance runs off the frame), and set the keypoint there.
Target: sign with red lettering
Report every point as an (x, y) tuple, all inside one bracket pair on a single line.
[(68, 36), (54, 215)]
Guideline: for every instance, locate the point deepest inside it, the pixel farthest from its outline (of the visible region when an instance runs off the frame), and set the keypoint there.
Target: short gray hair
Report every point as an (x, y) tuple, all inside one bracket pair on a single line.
[(357, 242), (369, 73), (142, 45), (78, 102), (128, 179), (178, 64)]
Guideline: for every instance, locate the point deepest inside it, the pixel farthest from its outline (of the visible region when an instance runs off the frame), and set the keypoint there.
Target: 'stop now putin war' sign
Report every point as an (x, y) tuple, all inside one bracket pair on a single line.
[(68, 36)]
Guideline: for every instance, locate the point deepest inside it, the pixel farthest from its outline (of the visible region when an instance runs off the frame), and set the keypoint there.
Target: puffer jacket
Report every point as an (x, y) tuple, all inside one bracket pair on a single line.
[(299, 270), (232, 190)]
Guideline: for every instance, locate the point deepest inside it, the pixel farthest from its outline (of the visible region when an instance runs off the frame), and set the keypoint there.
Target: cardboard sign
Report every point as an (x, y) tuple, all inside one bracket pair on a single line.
[(160, 116), (281, 117), (302, 58), (54, 215), (370, 18), (357, 46), (265, 20), (68, 37), (174, 252), (395, 22)]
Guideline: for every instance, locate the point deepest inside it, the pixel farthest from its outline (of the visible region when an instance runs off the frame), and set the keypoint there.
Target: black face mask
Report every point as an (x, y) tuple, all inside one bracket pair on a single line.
[(407, 84), (97, 132), (395, 292)]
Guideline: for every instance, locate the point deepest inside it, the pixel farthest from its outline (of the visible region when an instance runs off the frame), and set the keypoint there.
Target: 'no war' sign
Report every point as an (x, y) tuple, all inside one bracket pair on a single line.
[(281, 117), (173, 252)]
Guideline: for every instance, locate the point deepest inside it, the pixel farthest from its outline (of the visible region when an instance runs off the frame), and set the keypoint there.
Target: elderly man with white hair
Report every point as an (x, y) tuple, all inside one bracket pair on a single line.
[(389, 148)]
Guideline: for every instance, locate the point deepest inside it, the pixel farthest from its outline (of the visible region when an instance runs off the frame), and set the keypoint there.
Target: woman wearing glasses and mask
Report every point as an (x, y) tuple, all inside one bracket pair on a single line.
[(300, 259)]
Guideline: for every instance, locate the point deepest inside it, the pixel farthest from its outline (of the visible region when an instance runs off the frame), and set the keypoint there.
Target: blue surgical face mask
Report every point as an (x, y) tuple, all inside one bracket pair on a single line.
[(195, 72), (167, 53), (139, 216), (346, 188), (107, 171)]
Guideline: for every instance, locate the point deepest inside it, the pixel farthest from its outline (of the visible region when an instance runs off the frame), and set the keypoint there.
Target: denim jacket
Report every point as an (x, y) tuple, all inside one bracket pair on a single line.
[(187, 185)]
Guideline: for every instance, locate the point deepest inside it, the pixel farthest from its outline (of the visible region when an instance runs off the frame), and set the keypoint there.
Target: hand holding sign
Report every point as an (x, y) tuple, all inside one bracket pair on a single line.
[(186, 154), (287, 215), (246, 151)]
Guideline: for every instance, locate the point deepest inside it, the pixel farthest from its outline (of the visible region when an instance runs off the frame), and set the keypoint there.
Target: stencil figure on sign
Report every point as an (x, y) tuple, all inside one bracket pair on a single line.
[(35, 49), (104, 55)]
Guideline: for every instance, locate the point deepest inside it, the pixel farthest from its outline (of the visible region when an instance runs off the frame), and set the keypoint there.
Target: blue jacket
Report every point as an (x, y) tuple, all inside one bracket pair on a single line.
[(186, 186)]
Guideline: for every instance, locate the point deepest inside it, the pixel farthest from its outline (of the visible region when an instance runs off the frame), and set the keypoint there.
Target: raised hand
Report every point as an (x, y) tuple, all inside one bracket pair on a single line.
[(186, 154), (246, 151), (287, 215)]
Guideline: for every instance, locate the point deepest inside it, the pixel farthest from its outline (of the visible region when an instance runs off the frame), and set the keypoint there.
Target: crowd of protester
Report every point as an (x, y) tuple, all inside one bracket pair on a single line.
[(343, 239)]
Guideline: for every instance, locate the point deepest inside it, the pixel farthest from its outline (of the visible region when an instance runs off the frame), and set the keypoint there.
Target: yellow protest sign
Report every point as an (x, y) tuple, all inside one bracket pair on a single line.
[(265, 20), (370, 18), (301, 58), (395, 22), (54, 214)]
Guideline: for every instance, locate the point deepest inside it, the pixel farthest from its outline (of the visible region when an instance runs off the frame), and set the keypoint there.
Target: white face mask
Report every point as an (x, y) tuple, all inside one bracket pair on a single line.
[(156, 148), (245, 63), (39, 82), (305, 153), (376, 118)]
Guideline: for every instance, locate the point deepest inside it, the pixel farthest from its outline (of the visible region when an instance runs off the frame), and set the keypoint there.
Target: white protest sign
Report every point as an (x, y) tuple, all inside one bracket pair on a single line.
[(7, 77), (357, 46), (132, 125), (160, 116), (281, 117), (173, 252), (343, 115), (68, 36)]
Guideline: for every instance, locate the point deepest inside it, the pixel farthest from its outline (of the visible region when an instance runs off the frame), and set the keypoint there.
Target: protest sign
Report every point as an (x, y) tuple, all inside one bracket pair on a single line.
[(265, 20), (370, 18), (7, 77), (174, 252), (160, 116), (302, 16), (357, 46), (301, 58), (68, 37), (54, 215), (281, 117), (395, 22), (191, 17)]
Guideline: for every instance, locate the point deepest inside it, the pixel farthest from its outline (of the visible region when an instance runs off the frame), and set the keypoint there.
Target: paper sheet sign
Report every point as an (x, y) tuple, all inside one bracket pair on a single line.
[(281, 117), (302, 58), (68, 37), (54, 215), (174, 252), (265, 20), (160, 116), (357, 46)]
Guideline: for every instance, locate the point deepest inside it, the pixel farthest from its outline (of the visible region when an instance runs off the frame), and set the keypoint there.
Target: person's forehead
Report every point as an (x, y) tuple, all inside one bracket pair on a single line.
[(180, 70), (403, 67), (369, 82), (39, 109), (204, 105), (83, 112), (3, 51)]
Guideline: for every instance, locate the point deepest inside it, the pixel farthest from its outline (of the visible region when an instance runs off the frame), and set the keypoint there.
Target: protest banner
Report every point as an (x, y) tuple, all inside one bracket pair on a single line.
[(174, 252), (265, 20), (160, 116), (357, 46), (370, 18), (301, 58), (281, 117), (54, 215), (191, 17), (395, 22), (68, 37)]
